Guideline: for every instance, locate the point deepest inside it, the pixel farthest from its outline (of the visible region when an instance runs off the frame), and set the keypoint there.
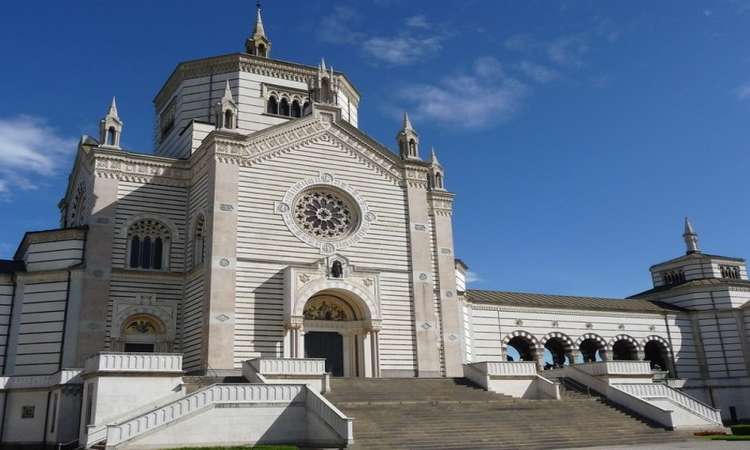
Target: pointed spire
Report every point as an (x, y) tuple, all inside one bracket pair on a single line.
[(433, 156), (258, 31), (227, 91), (690, 237), (407, 122), (322, 65), (113, 109)]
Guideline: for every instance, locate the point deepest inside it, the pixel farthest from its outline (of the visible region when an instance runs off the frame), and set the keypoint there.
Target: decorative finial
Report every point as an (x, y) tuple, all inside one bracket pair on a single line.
[(407, 122), (259, 30), (433, 156), (227, 91), (113, 108), (691, 238)]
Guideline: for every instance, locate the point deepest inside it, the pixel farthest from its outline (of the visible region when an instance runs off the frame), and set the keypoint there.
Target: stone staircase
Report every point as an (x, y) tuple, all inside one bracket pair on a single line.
[(445, 413)]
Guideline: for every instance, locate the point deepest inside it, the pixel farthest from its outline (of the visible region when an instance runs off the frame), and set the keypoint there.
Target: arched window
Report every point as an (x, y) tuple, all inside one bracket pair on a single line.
[(296, 111), (199, 241), (438, 181), (148, 247), (262, 50), (273, 105), (520, 348), (592, 350), (284, 107), (228, 119), (337, 270), (412, 147)]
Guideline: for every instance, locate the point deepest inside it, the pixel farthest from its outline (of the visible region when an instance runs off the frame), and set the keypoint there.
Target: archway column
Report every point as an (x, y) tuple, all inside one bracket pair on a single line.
[(350, 346), (294, 340)]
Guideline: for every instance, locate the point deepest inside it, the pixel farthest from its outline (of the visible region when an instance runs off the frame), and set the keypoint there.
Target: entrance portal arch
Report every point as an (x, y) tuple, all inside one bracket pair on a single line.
[(338, 323)]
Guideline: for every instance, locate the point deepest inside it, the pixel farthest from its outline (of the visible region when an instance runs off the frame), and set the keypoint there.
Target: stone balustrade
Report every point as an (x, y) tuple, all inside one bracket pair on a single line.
[(134, 362), (619, 368), (650, 391), (232, 395), (289, 366), (509, 368)]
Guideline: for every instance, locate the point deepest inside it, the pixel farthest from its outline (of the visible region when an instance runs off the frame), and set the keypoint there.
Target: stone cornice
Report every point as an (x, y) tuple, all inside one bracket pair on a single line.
[(416, 175), (61, 234), (241, 62), (140, 168)]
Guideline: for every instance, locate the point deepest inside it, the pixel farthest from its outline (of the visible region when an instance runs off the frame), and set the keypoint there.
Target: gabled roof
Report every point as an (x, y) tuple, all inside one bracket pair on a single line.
[(562, 301), (703, 282), (11, 266)]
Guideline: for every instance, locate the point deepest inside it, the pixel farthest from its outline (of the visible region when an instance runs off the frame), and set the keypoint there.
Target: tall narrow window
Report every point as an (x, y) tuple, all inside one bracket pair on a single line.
[(273, 105), (438, 181), (111, 133), (412, 147), (284, 107), (149, 242), (135, 252)]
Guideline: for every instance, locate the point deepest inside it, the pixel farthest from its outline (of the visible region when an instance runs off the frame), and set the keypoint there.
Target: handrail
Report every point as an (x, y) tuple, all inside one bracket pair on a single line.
[(199, 400), (331, 415), (646, 390)]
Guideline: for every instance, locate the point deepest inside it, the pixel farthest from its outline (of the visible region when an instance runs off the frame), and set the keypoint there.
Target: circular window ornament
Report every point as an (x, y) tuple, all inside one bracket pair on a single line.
[(325, 213)]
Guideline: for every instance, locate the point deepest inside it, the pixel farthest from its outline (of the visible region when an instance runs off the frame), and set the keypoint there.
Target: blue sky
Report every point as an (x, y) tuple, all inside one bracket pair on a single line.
[(576, 135)]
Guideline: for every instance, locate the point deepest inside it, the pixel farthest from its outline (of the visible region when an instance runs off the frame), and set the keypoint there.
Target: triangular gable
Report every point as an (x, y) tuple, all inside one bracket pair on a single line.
[(282, 138)]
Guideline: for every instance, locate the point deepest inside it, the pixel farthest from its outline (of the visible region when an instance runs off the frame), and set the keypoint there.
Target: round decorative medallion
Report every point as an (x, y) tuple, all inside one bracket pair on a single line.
[(325, 214)]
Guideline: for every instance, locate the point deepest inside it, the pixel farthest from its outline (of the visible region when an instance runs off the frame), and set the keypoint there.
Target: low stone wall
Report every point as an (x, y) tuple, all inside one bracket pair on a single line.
[(517, 379)]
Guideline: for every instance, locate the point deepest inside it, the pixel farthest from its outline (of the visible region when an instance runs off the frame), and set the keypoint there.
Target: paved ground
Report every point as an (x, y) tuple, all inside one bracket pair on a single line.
[(689, 445)]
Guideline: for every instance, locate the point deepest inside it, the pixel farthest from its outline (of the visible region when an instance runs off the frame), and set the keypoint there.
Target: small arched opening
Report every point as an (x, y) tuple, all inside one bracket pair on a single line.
[(657, 354), (624, 350), (262, 50), (228, 119), (284, 107), (520, 348), (306, 109), (296, 110), (412, 147), (556, 353), (438, 180), (592, 350), (273, 105), (111, 138)]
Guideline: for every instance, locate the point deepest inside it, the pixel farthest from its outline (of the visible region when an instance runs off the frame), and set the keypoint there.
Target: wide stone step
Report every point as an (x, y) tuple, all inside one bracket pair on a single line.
[(455, 414)]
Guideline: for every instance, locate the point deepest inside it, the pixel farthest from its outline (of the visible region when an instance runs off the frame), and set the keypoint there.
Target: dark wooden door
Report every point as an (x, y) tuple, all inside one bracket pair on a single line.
[(326, 345)]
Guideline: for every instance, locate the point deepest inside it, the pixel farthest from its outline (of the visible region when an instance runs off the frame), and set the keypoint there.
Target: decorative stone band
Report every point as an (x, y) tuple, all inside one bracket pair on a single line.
[(67, 376), (649, 391), (616, 368), (134, 362), (289, 366)]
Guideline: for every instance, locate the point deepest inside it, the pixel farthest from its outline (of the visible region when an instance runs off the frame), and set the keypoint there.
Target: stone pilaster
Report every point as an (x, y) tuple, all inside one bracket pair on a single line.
[(441, 206), (95, 280), (219, 302), (425, 320)]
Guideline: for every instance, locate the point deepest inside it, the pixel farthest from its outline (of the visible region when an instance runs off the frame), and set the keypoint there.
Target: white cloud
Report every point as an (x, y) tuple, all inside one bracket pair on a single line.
[(568, 50), (472, 277), (30, 149), (417, 22), (403, 49), (537, 72), (483, 96), (743, 92)]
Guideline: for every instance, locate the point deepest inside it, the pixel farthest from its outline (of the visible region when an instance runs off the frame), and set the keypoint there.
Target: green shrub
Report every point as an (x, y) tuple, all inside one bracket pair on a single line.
[(741, 430)]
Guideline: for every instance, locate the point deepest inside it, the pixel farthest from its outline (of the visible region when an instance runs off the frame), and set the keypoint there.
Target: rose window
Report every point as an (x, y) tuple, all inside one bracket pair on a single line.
[(325, 214)]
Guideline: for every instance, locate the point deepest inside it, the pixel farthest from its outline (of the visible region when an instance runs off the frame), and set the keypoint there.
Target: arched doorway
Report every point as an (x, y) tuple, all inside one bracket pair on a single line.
[(522, 346), (337, 324), (559, 353)]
